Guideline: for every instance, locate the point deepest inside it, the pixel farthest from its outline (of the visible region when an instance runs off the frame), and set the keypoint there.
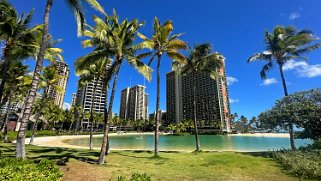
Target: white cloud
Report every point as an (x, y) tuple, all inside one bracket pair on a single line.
[(294, 15), (231, 80), (234, 100), (303, 69), (66, 106), (270, 81)]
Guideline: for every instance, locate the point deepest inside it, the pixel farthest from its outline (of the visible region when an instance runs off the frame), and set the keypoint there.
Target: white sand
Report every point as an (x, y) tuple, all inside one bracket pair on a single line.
[(58, 141), (279, 135)]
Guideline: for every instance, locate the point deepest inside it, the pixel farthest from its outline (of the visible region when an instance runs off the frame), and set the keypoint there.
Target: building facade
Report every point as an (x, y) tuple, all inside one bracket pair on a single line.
[(85, 96), (212, 101), (73, 99), (59, 96), (134, 103)]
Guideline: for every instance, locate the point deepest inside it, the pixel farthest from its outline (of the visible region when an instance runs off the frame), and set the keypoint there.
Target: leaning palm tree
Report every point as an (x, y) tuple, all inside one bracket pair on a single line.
[(76, 6), (162, 43), (18, 38), (113, 39), (285, 44), (201, 60), (91, 72), (49, 80)]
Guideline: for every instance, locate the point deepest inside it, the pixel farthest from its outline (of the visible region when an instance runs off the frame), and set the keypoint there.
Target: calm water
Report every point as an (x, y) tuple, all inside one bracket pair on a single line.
[(187, 143)]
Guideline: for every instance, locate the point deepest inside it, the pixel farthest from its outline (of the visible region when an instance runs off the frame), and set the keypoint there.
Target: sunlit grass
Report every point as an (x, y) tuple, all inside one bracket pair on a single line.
[(79, 164)]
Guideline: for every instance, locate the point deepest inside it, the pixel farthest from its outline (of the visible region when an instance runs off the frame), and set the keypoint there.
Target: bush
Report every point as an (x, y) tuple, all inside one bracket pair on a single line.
[(303, 163), (136, 177), (18, 169)]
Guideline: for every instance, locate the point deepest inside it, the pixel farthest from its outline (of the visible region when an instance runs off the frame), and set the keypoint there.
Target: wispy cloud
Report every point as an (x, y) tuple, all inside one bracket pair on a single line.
[(303, 69), (231, 80), (270, 81), (66, 106), (234, 100), (296, 14)]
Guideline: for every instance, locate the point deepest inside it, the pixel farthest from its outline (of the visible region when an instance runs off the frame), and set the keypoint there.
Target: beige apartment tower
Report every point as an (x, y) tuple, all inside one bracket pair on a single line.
[(57, 96), (134, 103), (212, 101)]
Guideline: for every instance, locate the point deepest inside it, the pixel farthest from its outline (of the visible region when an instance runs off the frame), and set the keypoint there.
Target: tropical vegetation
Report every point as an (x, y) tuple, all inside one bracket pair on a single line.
[(112, 42), (285, 44)]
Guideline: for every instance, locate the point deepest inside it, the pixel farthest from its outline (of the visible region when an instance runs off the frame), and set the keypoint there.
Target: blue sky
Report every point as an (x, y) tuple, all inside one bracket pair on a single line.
[(234, 28)]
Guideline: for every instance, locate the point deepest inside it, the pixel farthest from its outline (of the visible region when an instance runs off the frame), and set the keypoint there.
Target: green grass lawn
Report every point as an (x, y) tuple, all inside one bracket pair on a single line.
[(78, 165)]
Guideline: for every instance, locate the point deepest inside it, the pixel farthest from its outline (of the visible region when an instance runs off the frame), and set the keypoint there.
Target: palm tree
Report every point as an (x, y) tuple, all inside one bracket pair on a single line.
[(111, 38), (91, 71), (201, 60), (285, 44), (49, 79), (75, 5), (161, 43), (18, 38), (14, 88)]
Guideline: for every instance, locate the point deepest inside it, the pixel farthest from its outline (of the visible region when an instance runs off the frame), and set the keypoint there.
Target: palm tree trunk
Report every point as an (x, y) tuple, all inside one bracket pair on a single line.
[(76, 124), (6, 121), (20, 144), (109, 113), (291, 132), (157, 120), (35, 124), (91, 119), (194, 112)]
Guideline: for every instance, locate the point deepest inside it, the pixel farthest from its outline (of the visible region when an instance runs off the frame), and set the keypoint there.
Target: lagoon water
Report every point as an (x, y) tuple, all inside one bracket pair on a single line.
[(187, 143)]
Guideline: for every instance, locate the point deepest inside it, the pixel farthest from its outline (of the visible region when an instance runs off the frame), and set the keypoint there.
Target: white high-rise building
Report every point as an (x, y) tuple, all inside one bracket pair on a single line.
[(85, 96), (58, 96), (134, 103)]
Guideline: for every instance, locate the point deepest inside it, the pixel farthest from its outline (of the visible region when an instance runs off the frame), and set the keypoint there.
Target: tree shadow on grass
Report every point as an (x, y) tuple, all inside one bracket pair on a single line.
[(265, 154), (60, 155)]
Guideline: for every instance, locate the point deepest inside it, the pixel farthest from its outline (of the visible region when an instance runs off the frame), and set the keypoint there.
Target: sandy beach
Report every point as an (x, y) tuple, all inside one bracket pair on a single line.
[(278, 135)]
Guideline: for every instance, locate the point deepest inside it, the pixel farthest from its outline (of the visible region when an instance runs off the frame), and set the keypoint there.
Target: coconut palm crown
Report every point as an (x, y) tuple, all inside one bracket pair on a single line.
[(161, 43)]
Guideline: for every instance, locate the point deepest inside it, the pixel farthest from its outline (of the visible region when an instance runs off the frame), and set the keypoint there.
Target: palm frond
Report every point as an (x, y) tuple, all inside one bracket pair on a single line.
[(267, 67)]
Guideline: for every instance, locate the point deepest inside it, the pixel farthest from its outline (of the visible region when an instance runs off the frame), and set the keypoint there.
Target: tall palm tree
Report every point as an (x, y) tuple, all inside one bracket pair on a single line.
[(285, 44), (201, 60), (76, 7), (49, 80), (18, 38), (113, 39), (162, 43), (91, 71)]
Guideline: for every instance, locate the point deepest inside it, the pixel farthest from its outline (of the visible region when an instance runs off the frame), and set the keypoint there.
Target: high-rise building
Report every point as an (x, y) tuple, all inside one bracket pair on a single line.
[(212, 102), (58, 96), (134, 103), (85, 96), (73, 99)]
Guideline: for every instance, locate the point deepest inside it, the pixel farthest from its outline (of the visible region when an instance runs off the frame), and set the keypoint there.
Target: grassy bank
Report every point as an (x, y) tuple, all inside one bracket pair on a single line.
[(78, 165)]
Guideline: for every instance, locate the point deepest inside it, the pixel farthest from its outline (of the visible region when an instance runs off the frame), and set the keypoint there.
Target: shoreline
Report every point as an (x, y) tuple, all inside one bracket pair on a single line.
[(276, 135), (59, 141)]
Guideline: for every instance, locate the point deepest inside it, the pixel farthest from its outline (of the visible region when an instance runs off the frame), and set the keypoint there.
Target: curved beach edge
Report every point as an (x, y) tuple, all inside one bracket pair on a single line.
[(60, 141)]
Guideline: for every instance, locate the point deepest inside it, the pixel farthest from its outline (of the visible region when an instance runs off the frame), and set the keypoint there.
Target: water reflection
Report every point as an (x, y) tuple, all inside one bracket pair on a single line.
[(187, 143)]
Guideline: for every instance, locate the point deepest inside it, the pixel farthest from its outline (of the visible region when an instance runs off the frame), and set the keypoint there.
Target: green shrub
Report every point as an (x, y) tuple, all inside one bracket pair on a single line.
[(13, 169), (303, 163), (136, 177)]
